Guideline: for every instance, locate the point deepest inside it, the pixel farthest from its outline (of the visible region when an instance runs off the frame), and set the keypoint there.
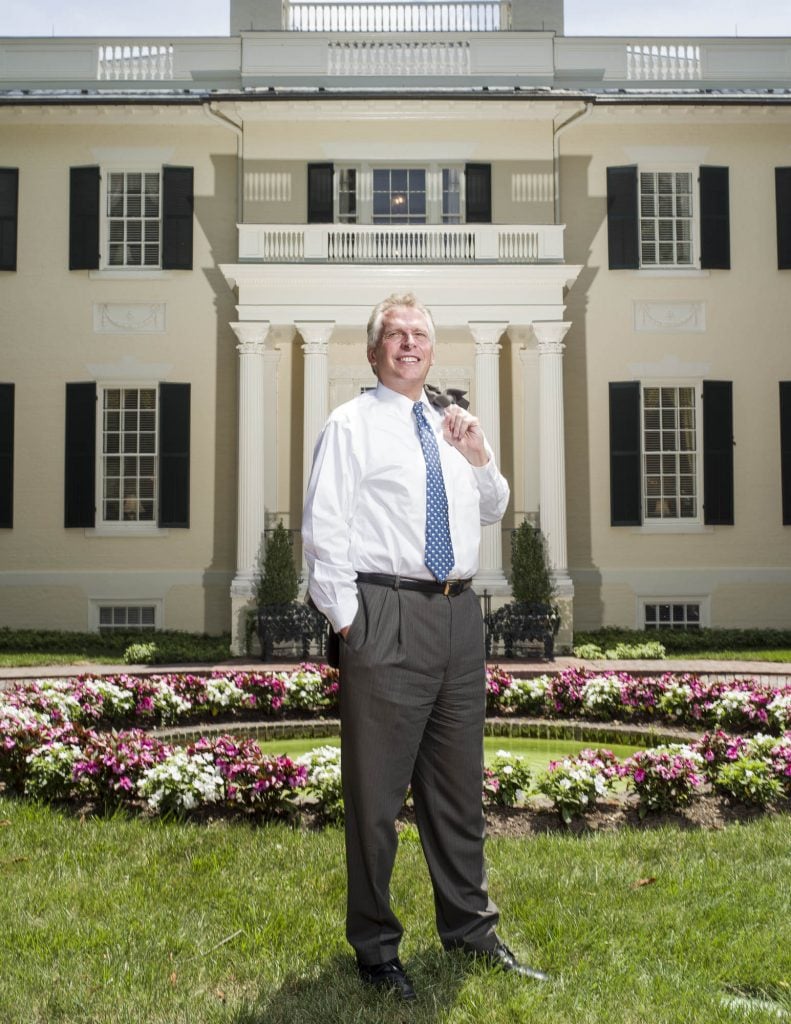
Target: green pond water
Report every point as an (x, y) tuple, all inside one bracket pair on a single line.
[(536, 752)]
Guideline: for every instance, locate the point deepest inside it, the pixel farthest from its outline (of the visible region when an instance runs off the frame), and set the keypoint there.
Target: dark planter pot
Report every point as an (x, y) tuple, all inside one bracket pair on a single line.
[(521, 629), (299, 630)]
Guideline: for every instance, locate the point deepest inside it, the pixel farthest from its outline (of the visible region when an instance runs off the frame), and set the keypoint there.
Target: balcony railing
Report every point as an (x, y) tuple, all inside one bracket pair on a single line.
[(431, 16), (410, 244)]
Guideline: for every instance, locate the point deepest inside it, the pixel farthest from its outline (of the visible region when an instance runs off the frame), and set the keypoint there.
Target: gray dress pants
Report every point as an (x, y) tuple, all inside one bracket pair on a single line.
[(413, 700)]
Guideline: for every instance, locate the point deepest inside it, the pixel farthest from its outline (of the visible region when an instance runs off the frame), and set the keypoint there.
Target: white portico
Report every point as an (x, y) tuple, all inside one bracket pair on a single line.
[(324, 308)]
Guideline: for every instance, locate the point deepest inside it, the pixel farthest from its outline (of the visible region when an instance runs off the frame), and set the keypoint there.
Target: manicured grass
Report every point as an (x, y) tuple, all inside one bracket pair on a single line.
[(124, 921), (780, 655), (536, 752)]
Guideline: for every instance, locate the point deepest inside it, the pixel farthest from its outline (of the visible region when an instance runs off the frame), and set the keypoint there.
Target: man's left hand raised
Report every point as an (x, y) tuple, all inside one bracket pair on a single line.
[(463, 430)]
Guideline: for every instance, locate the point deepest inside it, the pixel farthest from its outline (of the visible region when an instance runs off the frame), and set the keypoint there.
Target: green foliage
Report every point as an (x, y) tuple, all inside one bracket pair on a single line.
[(750, 780), (530, 581), (682, 641), (278, 580), (172, 647), (651, 649), (140, 654)]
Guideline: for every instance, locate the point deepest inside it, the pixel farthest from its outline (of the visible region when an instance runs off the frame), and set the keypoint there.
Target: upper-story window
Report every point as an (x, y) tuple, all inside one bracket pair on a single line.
[(666, 219), (133, 205), (414, 194), (123, 219)]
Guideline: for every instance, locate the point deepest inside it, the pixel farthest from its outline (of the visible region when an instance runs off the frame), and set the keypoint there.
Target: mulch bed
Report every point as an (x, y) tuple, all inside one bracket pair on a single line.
[(707, 811)]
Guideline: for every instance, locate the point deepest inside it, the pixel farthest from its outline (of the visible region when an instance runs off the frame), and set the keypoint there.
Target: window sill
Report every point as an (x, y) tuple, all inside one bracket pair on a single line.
[(126, 274), (675, 528), (671, 272), (127, 530)]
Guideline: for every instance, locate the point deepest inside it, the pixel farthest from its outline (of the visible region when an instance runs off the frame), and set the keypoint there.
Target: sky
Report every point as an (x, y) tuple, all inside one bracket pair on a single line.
[(677, 18)]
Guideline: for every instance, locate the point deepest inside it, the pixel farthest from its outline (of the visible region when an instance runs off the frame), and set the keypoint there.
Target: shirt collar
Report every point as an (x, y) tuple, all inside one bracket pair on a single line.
[(397, 400)]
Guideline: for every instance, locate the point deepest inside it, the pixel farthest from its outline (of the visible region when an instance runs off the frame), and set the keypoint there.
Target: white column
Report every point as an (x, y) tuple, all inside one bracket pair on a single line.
[(316, 344), (487, 408), (552, 470), (250, 516), (525, 345)]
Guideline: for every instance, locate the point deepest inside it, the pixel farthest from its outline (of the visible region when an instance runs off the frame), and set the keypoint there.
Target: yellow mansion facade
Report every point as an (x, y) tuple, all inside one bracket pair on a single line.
[(193, 232)]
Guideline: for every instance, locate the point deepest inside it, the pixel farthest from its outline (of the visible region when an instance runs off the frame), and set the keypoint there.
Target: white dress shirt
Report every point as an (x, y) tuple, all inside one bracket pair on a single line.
[(365, 508)]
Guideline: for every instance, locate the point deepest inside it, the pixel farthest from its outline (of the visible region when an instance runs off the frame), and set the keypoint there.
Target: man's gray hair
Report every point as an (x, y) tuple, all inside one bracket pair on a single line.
[(375, 324)]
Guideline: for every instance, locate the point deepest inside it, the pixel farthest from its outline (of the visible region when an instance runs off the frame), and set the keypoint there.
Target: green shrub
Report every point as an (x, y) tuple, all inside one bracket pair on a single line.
[(278, 580), (590, 652), (530, 579), (749, 780), (172, 647), (140, 654), (688, 641)]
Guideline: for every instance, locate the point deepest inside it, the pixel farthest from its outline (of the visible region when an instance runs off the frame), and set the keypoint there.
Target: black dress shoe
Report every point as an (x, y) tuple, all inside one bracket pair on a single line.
[(389, 975), (501, 957)]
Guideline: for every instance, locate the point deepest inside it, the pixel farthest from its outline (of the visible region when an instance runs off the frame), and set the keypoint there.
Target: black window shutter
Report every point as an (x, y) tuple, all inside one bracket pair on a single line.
[(718, 452), (785, 448), (625, 476), (84, 218), (6, 456), (320, 202), (80, 487), (478, 193), (715, 227), (623, 235), (174, 455), (783, 205), (9, 202), (178, 204)]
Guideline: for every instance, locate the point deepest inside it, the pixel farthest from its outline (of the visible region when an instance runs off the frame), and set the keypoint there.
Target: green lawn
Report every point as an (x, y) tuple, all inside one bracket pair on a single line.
[(130, 922), (780, 655), (536, 752)]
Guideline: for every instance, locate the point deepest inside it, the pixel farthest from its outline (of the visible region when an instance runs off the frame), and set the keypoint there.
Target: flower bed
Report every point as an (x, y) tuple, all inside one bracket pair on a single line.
[(86, 739)]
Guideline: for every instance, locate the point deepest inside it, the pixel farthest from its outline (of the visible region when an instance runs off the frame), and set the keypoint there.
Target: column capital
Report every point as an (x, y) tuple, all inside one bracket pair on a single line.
[(486, 334), (550, 334), (316, 335), (252, 335)]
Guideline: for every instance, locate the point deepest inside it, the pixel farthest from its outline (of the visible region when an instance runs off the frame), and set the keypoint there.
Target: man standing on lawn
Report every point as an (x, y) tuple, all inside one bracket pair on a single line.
[(391, 529)]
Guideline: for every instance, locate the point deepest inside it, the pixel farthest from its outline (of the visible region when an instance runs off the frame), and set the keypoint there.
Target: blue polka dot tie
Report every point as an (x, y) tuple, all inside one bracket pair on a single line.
[(439, 548)]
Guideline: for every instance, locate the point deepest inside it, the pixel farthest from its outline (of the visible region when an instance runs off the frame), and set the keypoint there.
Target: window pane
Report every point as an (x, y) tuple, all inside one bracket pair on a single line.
[(666, 217), (133, 212), (669, 463), (131, 497)]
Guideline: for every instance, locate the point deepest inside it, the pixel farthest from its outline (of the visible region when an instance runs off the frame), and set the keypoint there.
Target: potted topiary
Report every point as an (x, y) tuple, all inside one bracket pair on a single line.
[(281, 618), (530, 620)]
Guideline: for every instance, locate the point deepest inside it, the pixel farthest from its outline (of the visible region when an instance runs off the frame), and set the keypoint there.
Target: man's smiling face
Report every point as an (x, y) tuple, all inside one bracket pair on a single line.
[(404, 354)]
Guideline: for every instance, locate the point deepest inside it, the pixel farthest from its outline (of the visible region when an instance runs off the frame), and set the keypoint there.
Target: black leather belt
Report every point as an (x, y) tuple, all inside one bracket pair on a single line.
[(451, 588)]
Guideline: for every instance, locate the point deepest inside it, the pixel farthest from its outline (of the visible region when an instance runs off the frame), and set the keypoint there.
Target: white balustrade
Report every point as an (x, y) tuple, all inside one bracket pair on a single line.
[(663, 62), (431, 16), (135, 62), (402, 57), (388, 243)]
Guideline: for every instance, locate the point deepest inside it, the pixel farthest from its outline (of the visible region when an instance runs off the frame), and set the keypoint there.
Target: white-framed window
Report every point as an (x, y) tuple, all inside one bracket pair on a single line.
[(127, 618), (664, 613), (667, 218), (128, 446), (347, 195), (671, 462), (133, 218), (400, 194)]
